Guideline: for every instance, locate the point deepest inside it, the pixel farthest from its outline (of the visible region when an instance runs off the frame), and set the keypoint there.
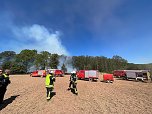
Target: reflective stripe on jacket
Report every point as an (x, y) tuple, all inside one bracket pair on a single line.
[(6, 76), (6, 79)]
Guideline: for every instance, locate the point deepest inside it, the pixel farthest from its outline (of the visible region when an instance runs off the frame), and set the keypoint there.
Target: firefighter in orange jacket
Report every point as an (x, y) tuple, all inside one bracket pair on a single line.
[(49, 84)]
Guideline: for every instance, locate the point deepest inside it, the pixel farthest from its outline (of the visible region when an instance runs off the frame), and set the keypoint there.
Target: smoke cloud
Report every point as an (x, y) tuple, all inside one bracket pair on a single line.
[(67, 61), (40, 38)]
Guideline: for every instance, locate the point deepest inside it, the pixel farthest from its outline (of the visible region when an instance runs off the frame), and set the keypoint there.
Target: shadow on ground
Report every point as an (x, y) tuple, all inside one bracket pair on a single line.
[(52, 94), (8, 101)]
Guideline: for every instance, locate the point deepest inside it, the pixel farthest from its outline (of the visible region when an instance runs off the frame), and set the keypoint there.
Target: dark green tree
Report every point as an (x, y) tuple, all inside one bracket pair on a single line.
[(7, 55), (26, 57), (42, 60), (64, 68), (7, 65), (18, 68), (54, 61)]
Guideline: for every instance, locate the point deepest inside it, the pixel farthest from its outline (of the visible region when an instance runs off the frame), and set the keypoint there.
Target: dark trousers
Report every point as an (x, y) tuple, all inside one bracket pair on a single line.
[(70, 84), (48, 91), (2, 93), (74, 86)]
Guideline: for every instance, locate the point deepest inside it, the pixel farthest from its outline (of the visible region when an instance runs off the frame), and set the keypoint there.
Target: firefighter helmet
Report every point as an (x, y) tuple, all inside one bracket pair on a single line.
[(73, 72)]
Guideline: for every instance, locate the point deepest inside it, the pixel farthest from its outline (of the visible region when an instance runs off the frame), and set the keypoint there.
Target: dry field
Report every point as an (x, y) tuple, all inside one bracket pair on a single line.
[(27, 95)]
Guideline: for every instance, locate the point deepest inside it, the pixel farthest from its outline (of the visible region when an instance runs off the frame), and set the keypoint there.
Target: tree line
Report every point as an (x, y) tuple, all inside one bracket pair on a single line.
[(28, 60)]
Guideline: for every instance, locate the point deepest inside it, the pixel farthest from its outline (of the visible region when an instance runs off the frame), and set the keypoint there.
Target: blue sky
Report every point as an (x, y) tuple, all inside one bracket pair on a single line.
[(79, 27)]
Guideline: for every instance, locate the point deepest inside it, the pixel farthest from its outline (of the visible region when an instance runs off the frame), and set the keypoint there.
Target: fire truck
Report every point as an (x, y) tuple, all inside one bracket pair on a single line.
[(57, 72), (38, 73), (88, 74)]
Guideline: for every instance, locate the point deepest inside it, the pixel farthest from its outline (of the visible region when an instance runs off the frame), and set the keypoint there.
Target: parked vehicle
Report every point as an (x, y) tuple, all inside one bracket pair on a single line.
[(88, 74), (107, 78), (57, 72), (132, 74), (38, 73), (137, 74), (119, 73)]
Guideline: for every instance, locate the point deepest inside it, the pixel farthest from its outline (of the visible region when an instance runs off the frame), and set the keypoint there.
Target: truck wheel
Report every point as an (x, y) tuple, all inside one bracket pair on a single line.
[(125, 78), (108, 81), (90, 79), (142, 80)]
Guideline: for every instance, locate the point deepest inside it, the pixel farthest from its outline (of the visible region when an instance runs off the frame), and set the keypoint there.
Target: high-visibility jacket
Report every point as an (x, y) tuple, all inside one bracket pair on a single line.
[(49, 81), (6, 79), (6, 76), (148, 75)]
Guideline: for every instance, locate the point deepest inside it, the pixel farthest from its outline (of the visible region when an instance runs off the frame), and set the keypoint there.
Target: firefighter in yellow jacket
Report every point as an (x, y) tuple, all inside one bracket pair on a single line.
[(49, 84)]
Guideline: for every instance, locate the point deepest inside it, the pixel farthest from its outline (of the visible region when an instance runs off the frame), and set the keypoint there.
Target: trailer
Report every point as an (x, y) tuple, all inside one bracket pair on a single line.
[(107, 78), (88, 74)]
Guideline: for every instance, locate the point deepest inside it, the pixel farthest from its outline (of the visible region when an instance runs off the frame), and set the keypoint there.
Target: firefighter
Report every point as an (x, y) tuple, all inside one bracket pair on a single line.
[(49, 84), (149, 76), (73, 82), (4, 81)]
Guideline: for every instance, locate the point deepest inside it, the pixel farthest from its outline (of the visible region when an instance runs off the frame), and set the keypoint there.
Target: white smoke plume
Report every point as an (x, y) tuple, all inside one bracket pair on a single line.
[(40, 38), (67, 61)]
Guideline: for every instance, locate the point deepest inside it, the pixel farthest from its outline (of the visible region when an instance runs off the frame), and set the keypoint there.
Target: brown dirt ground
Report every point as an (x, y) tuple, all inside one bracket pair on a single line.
[(27, 95)]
